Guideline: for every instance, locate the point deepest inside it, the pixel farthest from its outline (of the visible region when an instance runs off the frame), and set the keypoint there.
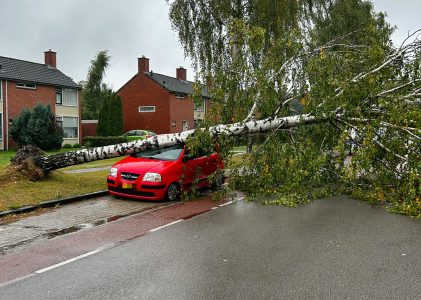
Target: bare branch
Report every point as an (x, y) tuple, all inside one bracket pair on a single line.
[(379, 144), (384, 93)]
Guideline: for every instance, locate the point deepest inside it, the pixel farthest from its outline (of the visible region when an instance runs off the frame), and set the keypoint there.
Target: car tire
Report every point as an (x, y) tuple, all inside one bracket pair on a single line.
[(218, 182), (173, 192)]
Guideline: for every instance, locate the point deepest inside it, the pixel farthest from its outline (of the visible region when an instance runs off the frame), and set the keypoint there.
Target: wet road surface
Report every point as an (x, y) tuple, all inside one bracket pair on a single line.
[(20, 262), (330, 249)]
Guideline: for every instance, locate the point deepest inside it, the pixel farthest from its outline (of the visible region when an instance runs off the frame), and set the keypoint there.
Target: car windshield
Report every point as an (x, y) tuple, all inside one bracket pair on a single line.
[(170, 153)]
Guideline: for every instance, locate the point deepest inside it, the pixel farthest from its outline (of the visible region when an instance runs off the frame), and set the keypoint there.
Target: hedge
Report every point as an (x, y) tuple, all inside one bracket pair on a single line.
[(99, 141)]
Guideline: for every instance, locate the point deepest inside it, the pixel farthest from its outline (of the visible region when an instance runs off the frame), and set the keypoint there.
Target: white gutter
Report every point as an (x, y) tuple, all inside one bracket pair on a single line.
[(7, 120)]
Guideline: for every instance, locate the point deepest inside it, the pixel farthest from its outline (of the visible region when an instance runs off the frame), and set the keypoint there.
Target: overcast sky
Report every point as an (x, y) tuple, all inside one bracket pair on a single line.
[(78, 29)]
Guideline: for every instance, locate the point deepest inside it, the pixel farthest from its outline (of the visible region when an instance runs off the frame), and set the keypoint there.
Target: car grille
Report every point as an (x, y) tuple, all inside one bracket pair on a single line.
[(129, 176)]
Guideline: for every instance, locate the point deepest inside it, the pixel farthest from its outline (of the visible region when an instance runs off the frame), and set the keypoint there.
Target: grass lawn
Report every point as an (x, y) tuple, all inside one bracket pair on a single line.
[(17, 191), (5, 157)]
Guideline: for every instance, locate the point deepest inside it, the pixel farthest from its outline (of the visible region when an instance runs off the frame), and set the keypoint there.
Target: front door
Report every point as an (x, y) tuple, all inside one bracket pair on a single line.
[(185, 125)]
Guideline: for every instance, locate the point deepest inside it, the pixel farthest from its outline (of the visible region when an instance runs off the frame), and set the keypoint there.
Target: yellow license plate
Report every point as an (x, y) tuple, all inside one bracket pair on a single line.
[(127, 185)]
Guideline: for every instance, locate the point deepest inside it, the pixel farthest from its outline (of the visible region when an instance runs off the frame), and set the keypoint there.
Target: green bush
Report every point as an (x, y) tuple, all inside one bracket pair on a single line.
[(66, 146), (99, 141), (37, 127), (110, 121), (76, 145)]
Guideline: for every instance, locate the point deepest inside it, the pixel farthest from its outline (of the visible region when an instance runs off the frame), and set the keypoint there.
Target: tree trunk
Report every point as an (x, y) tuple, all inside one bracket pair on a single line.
[(61, 160)]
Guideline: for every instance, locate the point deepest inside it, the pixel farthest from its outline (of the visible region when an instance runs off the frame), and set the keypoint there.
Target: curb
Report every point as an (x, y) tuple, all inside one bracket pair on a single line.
[(52, 203)]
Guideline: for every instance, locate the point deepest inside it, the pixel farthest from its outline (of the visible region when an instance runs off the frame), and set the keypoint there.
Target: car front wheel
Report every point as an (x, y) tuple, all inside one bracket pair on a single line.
[(219, 181), (172, 192)]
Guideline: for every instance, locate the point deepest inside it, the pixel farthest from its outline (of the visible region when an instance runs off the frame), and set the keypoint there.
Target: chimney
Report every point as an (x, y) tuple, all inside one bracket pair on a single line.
[(181, 73), (50, 58), (143, 64)]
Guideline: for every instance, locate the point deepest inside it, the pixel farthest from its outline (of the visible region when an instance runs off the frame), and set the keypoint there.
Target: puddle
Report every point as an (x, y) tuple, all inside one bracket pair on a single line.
[(50, 235)]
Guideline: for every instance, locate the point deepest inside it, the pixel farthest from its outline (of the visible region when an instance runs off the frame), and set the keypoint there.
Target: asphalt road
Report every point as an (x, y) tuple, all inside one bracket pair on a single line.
[(330, 249)]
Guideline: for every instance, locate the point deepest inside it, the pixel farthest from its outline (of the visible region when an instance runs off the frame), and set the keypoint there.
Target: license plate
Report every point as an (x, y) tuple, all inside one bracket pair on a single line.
[(127, 185)]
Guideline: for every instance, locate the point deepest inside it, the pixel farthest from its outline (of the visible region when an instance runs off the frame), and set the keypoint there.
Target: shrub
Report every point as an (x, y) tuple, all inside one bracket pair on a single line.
[(37, 127), (110, 121), (76, 145), (67, 146), (99, 141)]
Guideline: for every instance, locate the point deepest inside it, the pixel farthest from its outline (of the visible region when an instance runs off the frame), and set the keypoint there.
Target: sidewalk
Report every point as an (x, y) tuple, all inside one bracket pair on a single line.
[(67, 219)]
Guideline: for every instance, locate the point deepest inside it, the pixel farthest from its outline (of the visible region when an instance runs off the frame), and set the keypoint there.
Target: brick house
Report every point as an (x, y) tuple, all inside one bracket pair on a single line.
[(23, 84), (160, 103)]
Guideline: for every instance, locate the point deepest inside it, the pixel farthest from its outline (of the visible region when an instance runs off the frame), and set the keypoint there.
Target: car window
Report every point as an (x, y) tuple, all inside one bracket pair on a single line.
[(131, 133), (170, 153), (199, 153)]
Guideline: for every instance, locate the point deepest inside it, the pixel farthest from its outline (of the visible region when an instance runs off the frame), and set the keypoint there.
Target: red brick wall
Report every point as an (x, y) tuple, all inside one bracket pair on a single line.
[(181, 110), (89, 129), (20, 98), (143, 91), (3, 120)]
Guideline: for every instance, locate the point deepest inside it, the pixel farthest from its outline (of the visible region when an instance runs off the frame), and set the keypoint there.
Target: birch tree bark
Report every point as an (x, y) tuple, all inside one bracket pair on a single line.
[(61, 160)]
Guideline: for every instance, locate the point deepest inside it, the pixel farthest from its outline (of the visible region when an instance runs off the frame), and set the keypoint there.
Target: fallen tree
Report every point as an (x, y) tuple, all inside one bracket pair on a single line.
[(62, 160)]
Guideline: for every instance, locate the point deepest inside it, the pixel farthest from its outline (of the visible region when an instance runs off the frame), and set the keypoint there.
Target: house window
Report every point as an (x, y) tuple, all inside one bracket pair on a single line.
[(69, 97), (200, 107), (179, 96), (30, 86), (59, 121), (146, 108), (59, 96), (69, 125)]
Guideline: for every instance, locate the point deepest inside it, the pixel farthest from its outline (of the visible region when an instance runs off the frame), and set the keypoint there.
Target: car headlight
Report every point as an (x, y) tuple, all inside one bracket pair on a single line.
[(152, 177), (113, 172)]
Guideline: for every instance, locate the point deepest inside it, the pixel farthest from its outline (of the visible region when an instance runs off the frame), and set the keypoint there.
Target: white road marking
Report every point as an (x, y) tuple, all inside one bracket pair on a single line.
[(225, 203), (166, 225), (214, 207), (70, 260), (15, 280)]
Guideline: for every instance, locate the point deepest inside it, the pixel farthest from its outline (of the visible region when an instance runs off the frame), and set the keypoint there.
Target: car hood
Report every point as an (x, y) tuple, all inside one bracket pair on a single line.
[(142, 165)]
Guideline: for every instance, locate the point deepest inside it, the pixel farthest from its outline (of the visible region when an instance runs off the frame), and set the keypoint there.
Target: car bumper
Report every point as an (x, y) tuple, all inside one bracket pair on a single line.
[(142, 191)]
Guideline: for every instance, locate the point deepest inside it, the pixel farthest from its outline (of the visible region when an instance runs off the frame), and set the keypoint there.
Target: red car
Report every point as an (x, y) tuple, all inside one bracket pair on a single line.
[(162, 174)]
